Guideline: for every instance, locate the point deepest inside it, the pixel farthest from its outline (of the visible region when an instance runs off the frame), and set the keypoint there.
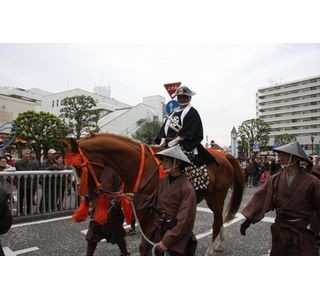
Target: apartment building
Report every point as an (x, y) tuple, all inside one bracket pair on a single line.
[(293, 108)]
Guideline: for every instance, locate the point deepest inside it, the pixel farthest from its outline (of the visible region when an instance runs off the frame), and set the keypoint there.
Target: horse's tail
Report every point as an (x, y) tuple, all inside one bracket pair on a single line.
[(237, 188)]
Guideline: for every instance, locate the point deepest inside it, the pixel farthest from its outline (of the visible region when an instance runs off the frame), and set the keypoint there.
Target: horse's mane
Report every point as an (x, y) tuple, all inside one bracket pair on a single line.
[(111, 137)]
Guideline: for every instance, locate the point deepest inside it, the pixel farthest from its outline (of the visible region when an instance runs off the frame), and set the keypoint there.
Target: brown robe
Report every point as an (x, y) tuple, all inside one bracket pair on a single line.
[(113, 230), (294, 205), (175, 201), (315, 221)]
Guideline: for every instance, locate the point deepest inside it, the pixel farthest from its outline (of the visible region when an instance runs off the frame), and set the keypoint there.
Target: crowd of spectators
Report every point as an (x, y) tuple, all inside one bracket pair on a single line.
[(257, 170), (53, 187)]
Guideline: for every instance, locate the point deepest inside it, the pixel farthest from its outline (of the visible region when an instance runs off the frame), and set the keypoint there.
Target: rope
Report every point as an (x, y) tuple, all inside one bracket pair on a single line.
[(118, 194), (153, 250)]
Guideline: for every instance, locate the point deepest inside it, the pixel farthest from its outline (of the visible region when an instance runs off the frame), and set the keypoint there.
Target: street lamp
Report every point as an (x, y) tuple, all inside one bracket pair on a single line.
[(312, 140), (243, 137)]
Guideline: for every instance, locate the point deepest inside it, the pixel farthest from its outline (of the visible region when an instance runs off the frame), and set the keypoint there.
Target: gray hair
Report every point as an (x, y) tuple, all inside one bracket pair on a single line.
[(25, 151)]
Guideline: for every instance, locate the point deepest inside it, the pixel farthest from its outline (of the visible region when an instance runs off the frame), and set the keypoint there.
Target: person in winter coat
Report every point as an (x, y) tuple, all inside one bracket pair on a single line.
[(26, 186), (251, 169), (5, 215), (295, 195), (174, 204), (50, 185)]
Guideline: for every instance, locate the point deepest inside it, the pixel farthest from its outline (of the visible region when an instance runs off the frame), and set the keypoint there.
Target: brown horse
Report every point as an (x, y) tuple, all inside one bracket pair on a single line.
[(124, 156)]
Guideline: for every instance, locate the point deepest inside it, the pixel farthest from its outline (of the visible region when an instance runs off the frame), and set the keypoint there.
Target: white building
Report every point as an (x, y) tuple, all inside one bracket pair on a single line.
[(52, 102), (117, 117), (15, 100), (292, 108), (124, 121)]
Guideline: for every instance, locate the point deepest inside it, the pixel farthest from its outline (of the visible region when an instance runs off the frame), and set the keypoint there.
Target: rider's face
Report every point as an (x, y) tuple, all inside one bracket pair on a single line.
[(183, 99)]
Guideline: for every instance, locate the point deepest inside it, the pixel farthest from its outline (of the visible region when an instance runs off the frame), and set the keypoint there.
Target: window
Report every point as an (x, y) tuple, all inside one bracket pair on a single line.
[(57, 102), (52, 103)]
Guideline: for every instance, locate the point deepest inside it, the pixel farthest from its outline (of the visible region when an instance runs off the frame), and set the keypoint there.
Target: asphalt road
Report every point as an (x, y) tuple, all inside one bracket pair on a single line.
[(61, 237)]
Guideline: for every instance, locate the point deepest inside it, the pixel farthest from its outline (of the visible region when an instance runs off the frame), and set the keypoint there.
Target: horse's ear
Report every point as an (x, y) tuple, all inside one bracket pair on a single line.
[(74, 145), (64, 143)]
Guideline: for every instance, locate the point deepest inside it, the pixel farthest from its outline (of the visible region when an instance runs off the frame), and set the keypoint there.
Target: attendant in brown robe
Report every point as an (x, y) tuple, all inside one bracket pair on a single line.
[(113, 230), (174, 203), (315, 222), (295, 195)]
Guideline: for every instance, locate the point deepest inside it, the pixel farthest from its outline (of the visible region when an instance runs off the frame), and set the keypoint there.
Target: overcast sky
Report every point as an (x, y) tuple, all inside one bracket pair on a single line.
[(225, 76), (223, 50)]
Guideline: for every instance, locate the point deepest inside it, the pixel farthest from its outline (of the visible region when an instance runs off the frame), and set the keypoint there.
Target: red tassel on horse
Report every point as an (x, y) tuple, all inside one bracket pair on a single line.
[(162, 173), (100, 215), (127, 210), (81, 213), (83, 188)]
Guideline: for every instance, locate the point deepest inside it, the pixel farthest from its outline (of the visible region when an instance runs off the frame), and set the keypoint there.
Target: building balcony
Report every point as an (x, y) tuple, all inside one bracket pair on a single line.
[(294, 102), (285, 97), (290, 110), (280, 88)]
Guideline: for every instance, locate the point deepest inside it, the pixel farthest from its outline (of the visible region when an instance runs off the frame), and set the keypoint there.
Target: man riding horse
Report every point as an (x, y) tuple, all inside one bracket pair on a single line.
[(184, 127)]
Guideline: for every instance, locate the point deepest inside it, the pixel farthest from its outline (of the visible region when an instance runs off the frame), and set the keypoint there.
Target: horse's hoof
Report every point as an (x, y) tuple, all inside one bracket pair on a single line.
[(210, 251), (219, 248)]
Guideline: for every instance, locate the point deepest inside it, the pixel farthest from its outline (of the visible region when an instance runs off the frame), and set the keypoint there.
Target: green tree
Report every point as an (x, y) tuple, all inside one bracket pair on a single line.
[(41, 131), (255, 130), (243, 147), (147, 131), (80, 114), (283, 139)]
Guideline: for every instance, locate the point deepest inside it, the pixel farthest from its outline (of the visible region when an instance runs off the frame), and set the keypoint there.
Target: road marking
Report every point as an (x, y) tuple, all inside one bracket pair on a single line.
[(8, 252), (235, 220), (268, 219), (204, 209), (41, 222)]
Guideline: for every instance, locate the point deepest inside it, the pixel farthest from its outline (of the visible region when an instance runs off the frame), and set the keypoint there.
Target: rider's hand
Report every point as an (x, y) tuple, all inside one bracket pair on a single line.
[(175, 141), (244, 226), (162, 142)]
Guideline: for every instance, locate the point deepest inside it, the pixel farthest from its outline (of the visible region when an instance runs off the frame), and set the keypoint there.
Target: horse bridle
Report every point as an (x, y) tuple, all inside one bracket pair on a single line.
[(80, 161)]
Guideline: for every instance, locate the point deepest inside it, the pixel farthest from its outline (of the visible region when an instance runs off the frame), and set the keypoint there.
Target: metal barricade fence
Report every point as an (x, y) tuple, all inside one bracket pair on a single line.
[(36, 192)]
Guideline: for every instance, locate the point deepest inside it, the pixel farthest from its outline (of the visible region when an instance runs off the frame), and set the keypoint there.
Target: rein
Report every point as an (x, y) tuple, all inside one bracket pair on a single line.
[(80, 161)]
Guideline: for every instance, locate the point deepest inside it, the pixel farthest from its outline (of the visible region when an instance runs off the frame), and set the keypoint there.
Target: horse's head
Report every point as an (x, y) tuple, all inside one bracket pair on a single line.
[(89, 172), (83, 162)]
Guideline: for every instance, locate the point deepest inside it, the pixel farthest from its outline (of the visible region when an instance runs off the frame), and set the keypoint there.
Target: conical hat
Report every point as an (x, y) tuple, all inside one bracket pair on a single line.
[(294, 149), (174, 152)]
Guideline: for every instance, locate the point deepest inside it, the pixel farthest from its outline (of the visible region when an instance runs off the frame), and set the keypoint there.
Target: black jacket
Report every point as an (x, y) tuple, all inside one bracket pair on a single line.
[(5, 214), (192, 132)]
